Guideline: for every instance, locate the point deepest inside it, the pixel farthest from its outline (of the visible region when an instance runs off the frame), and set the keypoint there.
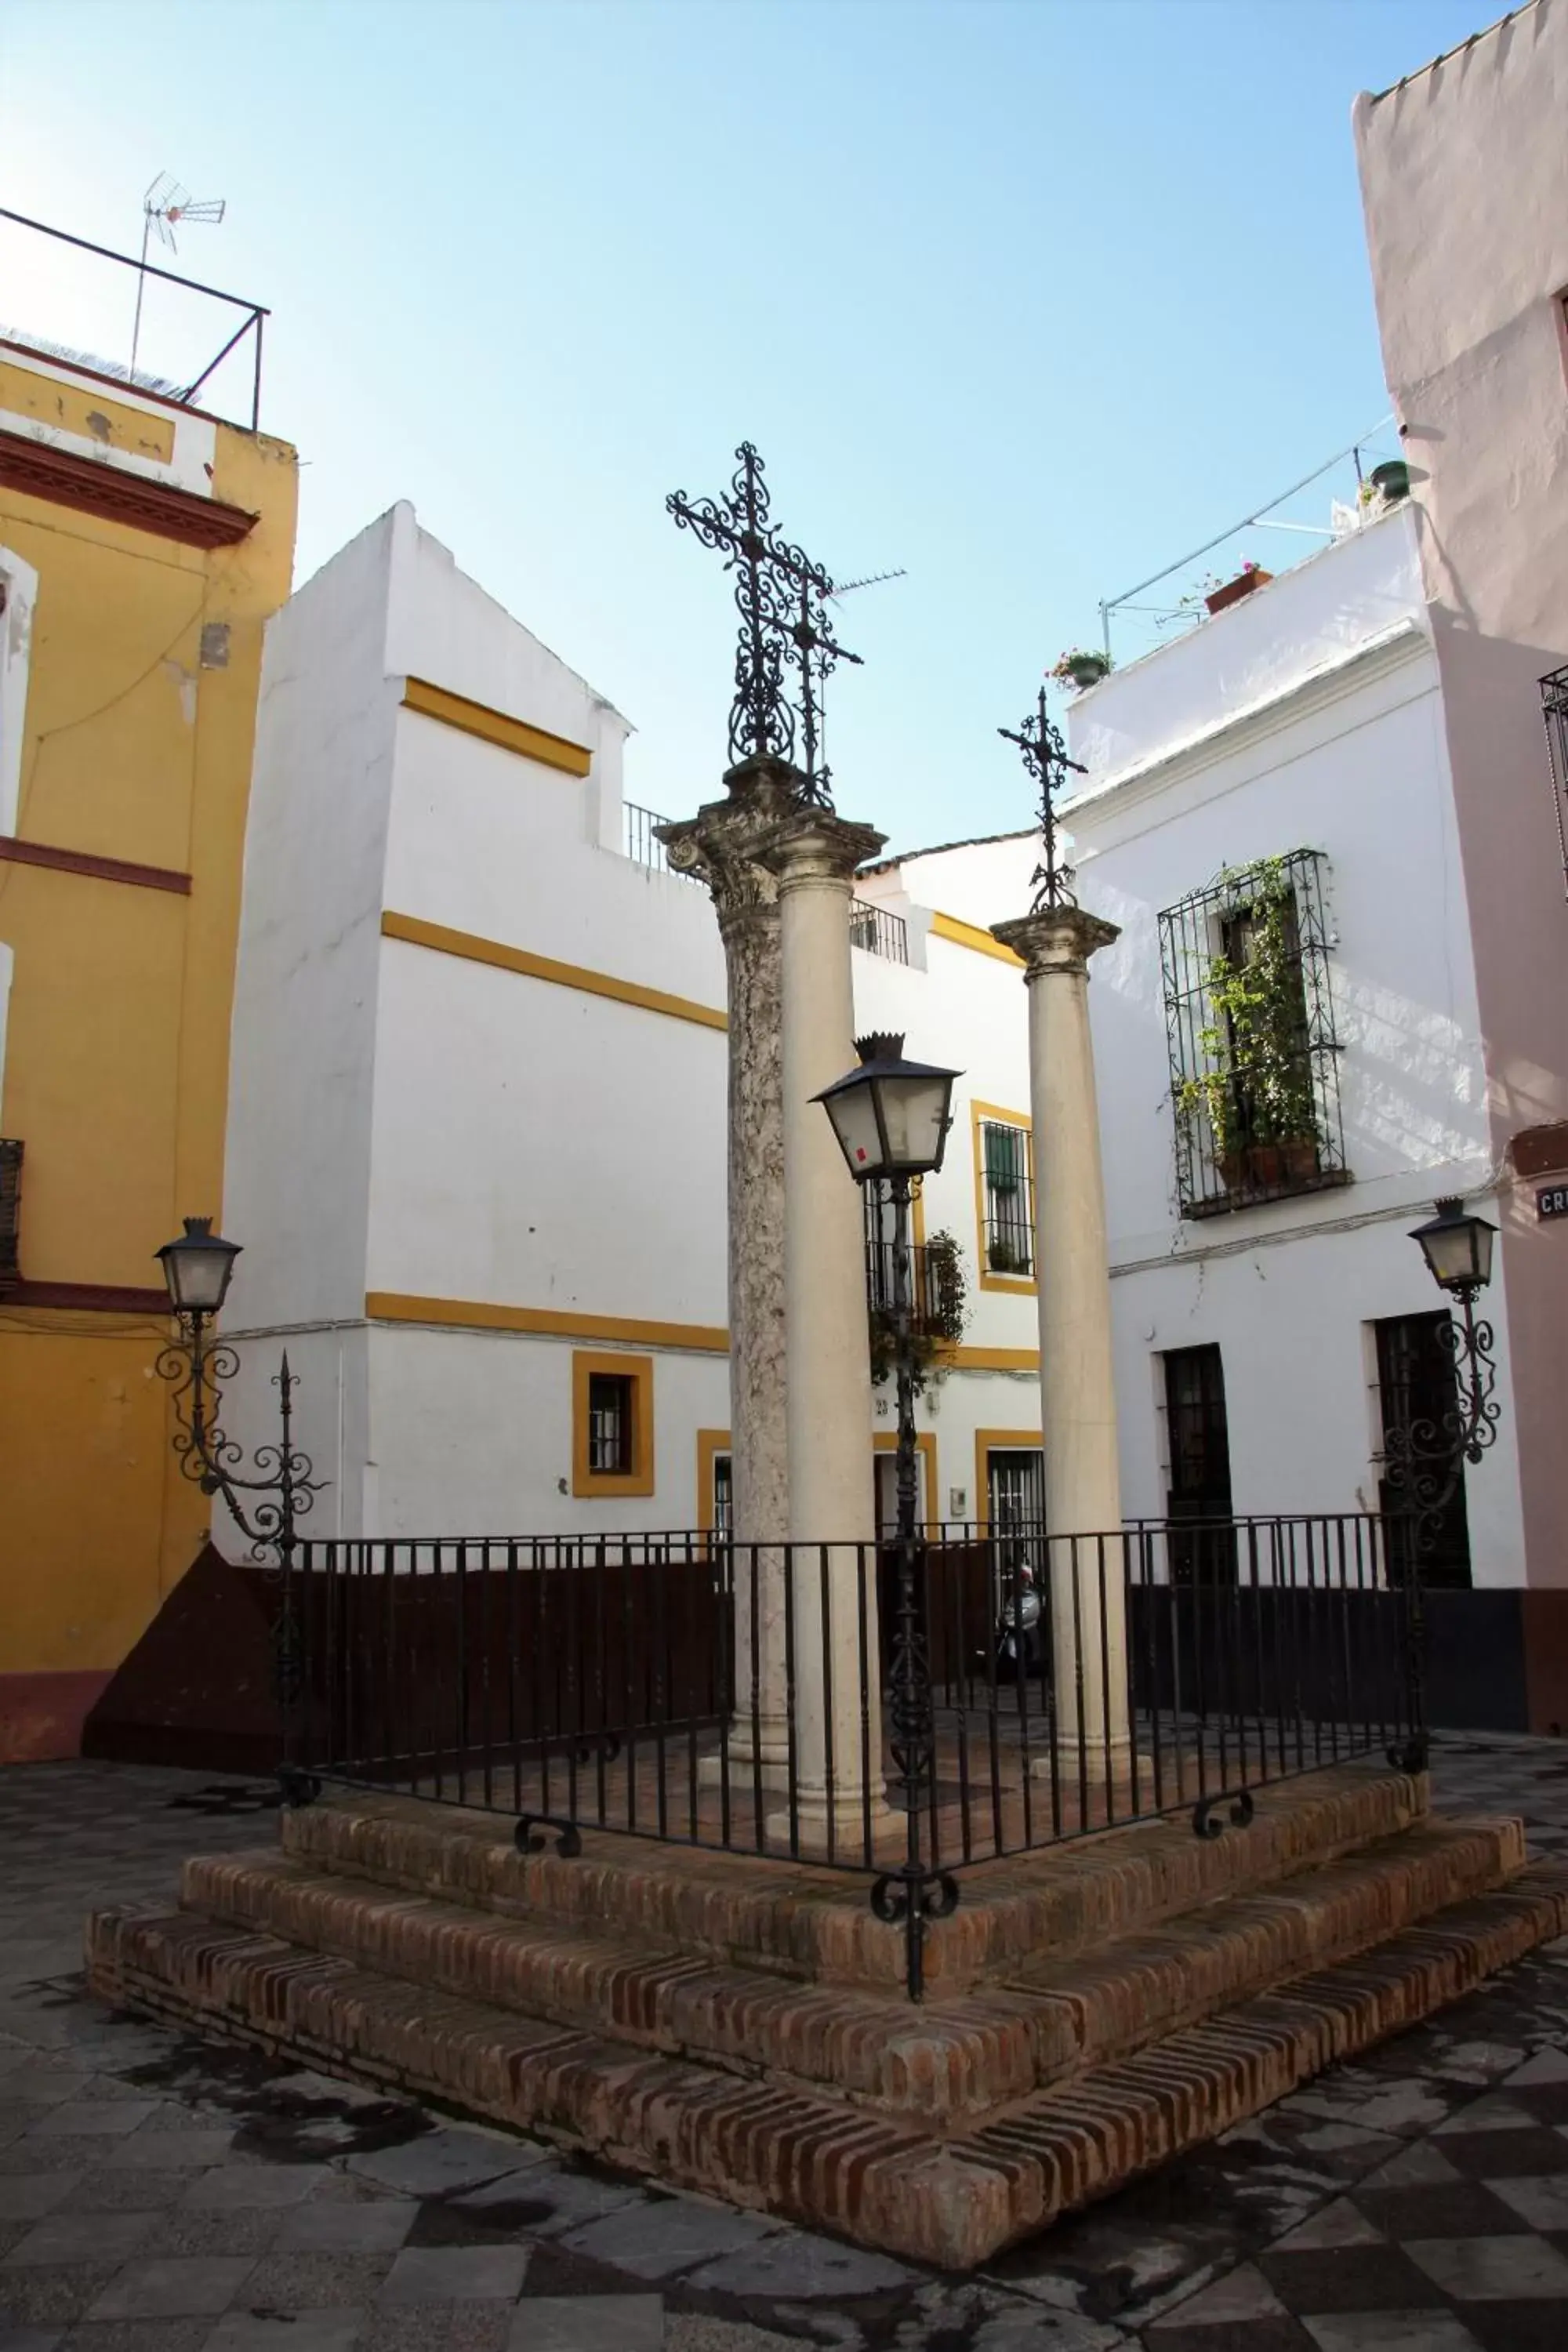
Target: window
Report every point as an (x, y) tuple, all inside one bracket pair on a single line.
[(1198, 1443), (10, 1215), (611, 1401), (1249, 1020), (715, 1483), (1004, 1198), (1417, 1385), (612, 1424)]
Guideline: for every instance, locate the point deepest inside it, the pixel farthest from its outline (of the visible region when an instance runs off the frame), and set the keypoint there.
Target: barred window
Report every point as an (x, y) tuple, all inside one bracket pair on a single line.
[(10, 1214), (1249, 1018), (1006, 1163)]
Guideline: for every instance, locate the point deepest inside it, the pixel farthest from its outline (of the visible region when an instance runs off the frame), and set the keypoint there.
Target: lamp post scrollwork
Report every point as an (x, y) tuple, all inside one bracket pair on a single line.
[(266, 1492)]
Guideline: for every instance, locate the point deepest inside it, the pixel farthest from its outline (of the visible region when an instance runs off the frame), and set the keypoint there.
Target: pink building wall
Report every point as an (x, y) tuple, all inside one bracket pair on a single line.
[(1464, 170)]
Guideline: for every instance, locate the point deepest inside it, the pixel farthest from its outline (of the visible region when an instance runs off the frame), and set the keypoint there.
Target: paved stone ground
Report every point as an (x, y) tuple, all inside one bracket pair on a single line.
[(160, 2194)]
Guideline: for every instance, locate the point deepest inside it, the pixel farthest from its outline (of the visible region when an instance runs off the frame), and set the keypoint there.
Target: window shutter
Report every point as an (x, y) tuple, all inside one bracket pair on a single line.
[(10, 1214)]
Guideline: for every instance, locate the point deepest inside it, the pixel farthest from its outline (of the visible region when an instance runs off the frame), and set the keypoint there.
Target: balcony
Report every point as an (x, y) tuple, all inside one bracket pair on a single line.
[(641, 843), (878, 931)]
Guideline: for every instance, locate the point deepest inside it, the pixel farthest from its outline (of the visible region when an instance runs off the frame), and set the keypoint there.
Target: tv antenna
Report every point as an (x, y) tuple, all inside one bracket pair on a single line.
[(872, 580), (165, 207)]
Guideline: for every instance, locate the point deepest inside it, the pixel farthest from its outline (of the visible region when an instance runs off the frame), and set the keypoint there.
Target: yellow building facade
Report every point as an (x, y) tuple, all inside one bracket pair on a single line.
[(143, 545)]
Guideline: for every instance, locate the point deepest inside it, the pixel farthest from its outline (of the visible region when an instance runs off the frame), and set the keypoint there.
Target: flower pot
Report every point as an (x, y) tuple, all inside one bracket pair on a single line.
[(1088, 670), (1235, 590), (1392, 480)]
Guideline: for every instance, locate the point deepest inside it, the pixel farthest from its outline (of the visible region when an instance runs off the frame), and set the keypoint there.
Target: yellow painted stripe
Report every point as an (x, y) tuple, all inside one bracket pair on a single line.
[(474, 949), (477, 1314), (992, 1359), (969, 935), (495, 726)]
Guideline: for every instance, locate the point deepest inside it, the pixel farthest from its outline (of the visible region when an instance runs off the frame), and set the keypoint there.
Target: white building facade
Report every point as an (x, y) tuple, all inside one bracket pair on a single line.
[(1259, 1326), (477, 1122)]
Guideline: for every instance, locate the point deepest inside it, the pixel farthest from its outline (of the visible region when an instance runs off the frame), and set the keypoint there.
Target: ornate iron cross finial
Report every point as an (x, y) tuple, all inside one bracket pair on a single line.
[(781, 597), (1046, 758)]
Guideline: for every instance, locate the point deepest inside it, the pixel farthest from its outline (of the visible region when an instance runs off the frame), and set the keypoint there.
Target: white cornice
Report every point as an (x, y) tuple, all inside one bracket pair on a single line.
[(1318, 689)]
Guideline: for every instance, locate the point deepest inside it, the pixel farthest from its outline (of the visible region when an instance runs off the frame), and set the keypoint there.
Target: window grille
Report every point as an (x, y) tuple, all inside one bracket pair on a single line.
[(1554, 711), (1007, 1164), (878, 931), (1249, 1020), (609, 1425), (10, 1214)]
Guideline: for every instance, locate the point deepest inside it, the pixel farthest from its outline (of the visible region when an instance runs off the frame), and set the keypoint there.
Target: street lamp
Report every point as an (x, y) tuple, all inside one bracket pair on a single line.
[(198, 1269), (891, 1119), (1458, 1249)]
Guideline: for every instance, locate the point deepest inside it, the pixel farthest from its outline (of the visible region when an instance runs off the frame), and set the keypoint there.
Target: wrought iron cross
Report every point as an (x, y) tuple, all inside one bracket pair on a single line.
[(781, 597), (1046, 758)]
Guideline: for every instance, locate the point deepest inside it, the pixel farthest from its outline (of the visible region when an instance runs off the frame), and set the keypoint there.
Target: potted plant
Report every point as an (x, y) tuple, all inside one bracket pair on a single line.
[(1257, 1091), (940, 1311), (1231, 592), (1391, 480), (1080, 668)]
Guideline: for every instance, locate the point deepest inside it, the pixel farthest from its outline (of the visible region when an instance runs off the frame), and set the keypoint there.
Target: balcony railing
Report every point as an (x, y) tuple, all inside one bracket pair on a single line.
[(642, 844), (927, 1306), (878, 931), (1554, 711)]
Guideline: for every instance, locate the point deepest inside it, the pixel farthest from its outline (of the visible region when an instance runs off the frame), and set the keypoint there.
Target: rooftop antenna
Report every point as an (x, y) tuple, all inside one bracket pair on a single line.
[(872, 580), (165, 207)]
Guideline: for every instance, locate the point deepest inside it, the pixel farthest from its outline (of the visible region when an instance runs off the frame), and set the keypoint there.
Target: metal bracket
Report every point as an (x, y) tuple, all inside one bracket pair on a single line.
[(568, 1843), (1413, 1757), (1205, 1822), (297, 1788)]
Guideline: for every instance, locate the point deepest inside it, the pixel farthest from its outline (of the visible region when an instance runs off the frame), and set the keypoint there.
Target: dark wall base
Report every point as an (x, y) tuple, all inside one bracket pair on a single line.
[(197, 1689)]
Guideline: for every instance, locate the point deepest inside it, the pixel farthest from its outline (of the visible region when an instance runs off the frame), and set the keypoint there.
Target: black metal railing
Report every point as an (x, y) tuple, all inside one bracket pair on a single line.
[(878, 931), (695, 1690), (187, 332), (1249, 1021), (1554, 711), (928, 1303), (642, 844)]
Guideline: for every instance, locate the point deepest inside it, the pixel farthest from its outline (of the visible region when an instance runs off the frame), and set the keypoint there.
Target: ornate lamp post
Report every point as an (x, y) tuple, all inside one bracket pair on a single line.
[(1425, 1459), (891, 1119), (267, 1502)]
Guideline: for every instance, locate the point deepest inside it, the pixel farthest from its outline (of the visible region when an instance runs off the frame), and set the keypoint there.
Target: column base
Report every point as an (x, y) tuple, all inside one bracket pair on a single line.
[(772, 1755), (849, 1817), (1104, 1762)]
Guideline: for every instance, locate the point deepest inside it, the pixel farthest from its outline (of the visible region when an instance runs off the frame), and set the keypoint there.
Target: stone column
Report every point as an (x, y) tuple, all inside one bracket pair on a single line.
[(719, 846), (832, 1510), (1078, 1394)]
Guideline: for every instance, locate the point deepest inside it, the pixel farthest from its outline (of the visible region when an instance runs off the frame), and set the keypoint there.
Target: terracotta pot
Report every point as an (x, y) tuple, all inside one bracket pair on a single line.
[(1235, 590)]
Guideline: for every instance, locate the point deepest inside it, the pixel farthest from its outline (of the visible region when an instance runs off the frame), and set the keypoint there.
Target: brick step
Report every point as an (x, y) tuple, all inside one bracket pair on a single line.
[(803, 1921), (965, 2057), (920, 2193)]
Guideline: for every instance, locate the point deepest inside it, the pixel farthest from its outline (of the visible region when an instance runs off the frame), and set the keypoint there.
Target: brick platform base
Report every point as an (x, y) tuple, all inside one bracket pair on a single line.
[(741, 2027)]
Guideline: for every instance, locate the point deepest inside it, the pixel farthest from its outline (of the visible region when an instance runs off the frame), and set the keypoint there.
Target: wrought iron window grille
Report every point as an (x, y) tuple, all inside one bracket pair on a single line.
[(1009, 1198), (1249, 1021), (10, 1214), (610, 1409), (1554, 711), (878, 931)]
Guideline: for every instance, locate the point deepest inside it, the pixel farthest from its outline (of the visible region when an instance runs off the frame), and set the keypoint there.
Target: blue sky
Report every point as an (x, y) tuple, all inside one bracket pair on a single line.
[(1028, 297)]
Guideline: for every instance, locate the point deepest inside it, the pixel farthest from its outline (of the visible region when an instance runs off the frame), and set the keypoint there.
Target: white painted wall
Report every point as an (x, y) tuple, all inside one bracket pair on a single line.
[(1350, 758), (410, 1122)]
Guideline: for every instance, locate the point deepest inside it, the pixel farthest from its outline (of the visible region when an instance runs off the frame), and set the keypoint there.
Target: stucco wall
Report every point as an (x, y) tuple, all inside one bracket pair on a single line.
[(1346, 754), (1464, 180)]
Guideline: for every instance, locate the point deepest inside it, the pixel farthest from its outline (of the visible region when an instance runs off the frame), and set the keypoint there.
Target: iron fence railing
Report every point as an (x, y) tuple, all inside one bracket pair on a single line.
[(772, 1699), (878, 931)]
